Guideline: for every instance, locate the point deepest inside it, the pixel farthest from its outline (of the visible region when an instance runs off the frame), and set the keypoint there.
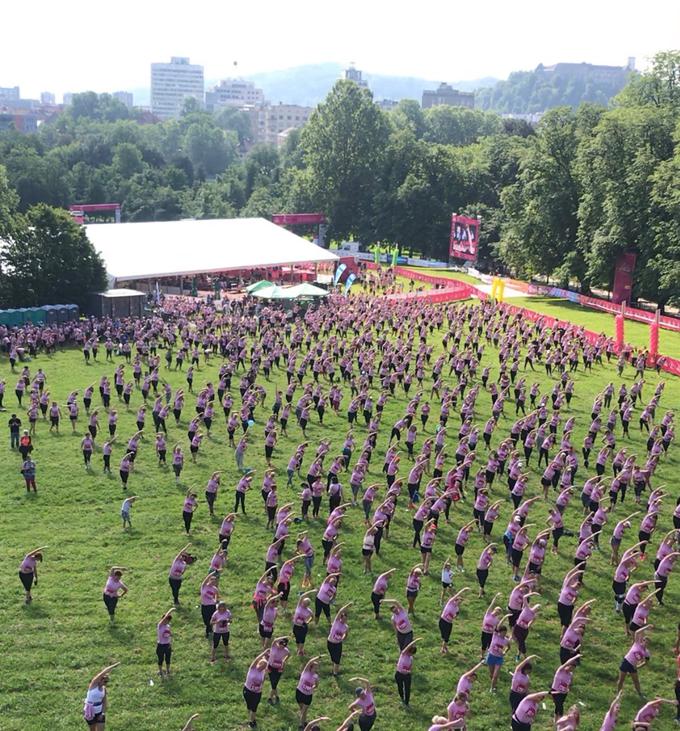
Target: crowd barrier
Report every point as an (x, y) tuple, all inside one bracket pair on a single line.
[(452, 290), (595, 303)]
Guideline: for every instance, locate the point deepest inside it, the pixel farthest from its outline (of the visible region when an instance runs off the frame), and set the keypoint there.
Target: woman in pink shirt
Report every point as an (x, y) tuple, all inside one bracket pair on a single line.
[(379, 590), (336, 636), (211, 491), (177, 570), (404, 671), (188, 508), (634, 659), (164, 643), (252, 688), (302, 616), (308, 682), (525, 713), (114, 589), (612, 715), (268, 617), (209, 595), (278, 656), (461, 541), (484, 564), (28, 571), (220, 624), (413, 587), (364, 703), (448, 614), (561, 684)]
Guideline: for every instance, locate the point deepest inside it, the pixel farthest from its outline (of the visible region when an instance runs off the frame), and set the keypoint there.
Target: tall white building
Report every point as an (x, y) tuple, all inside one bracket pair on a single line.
[(172, 83), (233, 92)]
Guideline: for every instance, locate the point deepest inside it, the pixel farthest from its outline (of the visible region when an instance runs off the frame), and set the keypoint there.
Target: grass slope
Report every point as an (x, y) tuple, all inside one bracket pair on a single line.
[(51, 648)]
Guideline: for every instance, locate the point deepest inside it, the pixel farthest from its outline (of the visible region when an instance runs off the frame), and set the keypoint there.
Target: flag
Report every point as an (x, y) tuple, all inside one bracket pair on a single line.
[(339, 272), (350, 281), (395, 254), (376, 254)]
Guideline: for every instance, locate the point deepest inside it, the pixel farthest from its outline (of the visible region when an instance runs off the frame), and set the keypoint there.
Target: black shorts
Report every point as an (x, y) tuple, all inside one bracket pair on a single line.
[(265, 633), (97, 718), (300, 633), (302, 698), (459, 549), (565, 613), (220, 637), (482, 575), (252, 699), (627, 667), (335, 651)]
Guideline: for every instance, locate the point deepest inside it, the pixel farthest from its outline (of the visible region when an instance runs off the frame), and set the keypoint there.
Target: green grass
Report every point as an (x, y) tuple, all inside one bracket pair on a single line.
[(53, 647), (636, 333), (448, 273)]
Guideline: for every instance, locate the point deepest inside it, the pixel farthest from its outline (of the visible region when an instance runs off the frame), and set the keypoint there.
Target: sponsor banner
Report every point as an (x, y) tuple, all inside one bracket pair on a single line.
[(464, 238)]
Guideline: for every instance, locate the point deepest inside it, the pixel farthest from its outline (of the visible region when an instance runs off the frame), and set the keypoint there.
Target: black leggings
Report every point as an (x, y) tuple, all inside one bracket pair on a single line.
[(110, 602), (175, 586), (375, 600), (164, 654), (207, 611), (187, 515), (322, 607), (403, 681)]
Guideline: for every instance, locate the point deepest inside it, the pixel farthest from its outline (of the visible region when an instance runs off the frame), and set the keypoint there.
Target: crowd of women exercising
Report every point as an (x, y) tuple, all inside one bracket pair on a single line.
[(460, 453)]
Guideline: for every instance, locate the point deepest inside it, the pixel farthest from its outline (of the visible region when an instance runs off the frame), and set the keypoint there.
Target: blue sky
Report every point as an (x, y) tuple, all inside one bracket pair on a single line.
[(76, 45)]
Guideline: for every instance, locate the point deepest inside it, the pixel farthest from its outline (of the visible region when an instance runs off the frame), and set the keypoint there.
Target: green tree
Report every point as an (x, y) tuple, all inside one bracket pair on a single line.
[(343, 145), (49, 260)]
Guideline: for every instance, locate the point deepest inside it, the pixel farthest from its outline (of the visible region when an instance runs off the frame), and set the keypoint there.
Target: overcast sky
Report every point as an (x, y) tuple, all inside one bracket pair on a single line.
[(75, 45)]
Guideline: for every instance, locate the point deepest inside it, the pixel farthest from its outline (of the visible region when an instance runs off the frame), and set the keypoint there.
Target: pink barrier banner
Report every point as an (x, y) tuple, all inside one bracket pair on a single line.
[(291, 219)]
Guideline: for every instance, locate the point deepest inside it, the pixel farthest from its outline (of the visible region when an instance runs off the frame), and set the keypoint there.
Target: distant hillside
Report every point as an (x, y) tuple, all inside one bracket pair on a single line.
[(565, 84), (310, 84)]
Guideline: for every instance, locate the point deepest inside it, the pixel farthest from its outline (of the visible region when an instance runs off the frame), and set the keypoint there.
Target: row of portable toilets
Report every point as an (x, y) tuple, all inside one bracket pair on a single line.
[(47, 314)]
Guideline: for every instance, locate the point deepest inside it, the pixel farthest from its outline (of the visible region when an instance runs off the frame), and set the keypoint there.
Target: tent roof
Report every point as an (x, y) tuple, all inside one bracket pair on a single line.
[(121, 293), (171, 248), (305, 289)]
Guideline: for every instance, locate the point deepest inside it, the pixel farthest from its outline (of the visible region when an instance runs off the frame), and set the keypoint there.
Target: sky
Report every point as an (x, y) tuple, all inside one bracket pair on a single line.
[(75, 45)]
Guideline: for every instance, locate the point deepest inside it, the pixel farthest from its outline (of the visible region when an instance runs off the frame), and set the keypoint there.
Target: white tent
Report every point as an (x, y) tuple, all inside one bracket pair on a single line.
[(135, 251)]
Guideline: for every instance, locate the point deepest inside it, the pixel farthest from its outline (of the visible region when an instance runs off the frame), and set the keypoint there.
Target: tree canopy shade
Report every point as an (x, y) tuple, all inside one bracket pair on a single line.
[(48, 259)]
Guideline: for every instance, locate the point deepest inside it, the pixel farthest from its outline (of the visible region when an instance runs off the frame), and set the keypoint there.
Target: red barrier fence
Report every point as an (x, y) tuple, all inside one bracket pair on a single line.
[(452, 290), (595, 303)]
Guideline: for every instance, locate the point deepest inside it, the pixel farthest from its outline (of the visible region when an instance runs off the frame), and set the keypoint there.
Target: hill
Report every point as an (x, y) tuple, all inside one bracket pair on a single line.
[(564, 84), (309, 84)]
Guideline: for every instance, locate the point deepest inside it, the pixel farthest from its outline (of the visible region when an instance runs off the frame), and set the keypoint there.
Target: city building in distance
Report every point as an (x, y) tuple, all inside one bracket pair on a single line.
[(47, 97), (172, 84), (353, 74), (124, 97), (233, 93), (448, 96), (268, 122)]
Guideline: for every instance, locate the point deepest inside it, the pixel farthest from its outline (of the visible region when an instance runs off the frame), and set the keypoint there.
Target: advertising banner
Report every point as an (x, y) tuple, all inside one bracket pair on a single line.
[(464, 240), (623, 278)]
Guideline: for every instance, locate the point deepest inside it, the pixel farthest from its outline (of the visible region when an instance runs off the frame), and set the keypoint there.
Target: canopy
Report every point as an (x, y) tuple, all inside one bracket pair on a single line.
[(258, 285), (272, 292), (306, 290), (137, 251)]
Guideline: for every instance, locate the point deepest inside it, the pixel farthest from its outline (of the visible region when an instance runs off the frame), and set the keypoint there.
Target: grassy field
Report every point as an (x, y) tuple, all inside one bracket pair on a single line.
[(51, 648)]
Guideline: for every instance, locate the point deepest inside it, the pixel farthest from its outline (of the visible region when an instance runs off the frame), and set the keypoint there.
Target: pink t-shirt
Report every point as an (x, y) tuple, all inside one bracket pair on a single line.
[(307, 682), (337, 631), (405, 663), (220, 621), (163, 634), (400, 621)]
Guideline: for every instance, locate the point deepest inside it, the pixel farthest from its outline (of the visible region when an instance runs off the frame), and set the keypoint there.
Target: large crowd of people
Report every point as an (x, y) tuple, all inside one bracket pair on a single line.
[(473, 421)]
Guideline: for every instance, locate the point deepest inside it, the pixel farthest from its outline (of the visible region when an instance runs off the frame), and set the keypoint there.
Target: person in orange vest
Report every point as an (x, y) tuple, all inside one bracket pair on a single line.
[(25, 445)]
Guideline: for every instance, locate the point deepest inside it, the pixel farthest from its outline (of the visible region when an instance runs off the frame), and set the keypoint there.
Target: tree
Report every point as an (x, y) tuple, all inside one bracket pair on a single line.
[(208, 147), (446, 125), (49, 260), (659, 86), (540, 208), (343, 145)]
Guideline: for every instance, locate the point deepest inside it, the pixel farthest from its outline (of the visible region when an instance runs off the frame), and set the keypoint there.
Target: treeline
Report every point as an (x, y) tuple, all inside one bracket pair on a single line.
[(528, 92), (563, 200)]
